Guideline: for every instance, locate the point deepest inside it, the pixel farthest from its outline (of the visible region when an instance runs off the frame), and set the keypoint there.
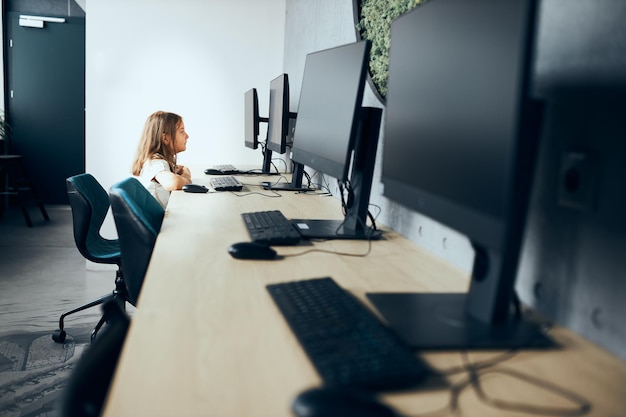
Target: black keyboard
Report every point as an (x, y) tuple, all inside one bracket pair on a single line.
[(226, 183), (270, 228), (346, 343)]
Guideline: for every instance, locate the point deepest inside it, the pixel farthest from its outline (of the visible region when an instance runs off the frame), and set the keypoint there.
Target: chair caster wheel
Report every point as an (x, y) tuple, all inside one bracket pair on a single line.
[(59, 336)]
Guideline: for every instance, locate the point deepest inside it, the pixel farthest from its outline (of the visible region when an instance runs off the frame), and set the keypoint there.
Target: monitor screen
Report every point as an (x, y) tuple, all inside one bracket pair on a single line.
[(334, 135), (459, 148), (279, 115), (251, 119), (279, 123), (328, 111)]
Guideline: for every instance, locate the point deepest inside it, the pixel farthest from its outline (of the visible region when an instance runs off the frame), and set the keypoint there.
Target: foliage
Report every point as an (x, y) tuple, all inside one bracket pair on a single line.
[(5, 134), (375, 19)]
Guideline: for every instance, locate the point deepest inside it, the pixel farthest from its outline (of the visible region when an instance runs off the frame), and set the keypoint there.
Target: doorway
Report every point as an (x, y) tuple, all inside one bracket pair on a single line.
[(45, 73)]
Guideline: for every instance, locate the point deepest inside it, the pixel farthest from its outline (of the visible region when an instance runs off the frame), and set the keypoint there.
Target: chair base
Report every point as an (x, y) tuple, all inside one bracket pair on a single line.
[(119, 294)]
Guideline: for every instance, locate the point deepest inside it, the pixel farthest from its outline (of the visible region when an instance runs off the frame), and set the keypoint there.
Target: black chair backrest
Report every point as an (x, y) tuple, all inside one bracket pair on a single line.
[(138, 217), (90, 205)]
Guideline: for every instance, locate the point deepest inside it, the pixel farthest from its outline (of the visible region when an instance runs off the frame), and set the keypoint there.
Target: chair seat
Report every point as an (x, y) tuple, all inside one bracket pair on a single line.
[(105, 251)]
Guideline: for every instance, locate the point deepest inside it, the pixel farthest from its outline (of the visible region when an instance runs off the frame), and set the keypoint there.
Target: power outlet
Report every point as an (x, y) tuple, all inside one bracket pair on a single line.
[(577, 178)]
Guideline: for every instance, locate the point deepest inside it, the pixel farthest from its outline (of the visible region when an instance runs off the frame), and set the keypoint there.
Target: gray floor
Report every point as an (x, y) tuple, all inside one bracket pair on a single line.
[(42, 275)]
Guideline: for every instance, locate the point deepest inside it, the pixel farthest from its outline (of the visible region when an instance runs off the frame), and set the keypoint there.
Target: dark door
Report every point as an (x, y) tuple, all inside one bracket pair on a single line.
[(46, 101)]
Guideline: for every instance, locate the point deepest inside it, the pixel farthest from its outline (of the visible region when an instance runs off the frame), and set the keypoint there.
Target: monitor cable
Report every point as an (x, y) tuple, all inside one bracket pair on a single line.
[(477, 371), (240, 194), (332, 252), (345, 187), (281, 160)]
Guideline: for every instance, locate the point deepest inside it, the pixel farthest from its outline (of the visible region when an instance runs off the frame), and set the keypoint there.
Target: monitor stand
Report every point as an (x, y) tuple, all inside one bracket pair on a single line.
[(332, 229), (440, 321), (354, 224), (481, 318), (294, 185), (267, 161)]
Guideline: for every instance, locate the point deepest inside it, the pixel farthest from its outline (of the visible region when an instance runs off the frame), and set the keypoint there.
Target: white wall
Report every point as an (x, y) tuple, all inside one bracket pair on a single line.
[(192, 57)]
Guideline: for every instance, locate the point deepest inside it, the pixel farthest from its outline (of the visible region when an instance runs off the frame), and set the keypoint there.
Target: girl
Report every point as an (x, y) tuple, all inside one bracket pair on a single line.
[(163, 137)]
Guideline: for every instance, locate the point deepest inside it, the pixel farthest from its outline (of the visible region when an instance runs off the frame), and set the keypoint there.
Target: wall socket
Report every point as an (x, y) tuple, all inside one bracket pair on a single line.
[(577, 178)]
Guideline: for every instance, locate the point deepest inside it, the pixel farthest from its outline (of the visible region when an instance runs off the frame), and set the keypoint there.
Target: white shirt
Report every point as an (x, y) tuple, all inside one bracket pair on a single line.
[(147, 177)]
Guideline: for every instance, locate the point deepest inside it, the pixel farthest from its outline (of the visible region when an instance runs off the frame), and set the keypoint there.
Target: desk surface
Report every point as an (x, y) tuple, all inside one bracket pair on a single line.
[(207, 340)]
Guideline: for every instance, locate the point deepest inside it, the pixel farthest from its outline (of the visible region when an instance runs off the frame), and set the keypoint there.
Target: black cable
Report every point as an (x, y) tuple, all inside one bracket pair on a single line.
[(340, 185), (358, 255), (583, 406), (282, 160), (345, 205), (323, 183), (240, 194), (308, 178), (475, 371), (282, 177)]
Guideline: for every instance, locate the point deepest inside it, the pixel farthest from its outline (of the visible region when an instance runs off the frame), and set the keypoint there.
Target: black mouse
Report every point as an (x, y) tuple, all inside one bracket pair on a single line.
[(195, 188), (251, 250), (339, 402), (213, 171)]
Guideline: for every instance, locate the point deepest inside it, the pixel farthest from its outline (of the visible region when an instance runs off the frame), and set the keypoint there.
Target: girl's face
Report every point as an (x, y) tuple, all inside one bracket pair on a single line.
[(180, 141)]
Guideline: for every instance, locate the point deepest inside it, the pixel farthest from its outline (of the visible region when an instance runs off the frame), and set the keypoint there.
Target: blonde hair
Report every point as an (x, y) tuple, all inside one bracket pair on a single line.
[(158, 126)]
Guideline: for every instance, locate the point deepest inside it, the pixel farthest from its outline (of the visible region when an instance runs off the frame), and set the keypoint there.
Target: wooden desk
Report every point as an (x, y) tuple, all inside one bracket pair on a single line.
[(207, 340)]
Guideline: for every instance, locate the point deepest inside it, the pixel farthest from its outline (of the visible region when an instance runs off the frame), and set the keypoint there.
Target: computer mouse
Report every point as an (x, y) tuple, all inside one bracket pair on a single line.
[(251, 250), (195, 188), (339, 402), (213, 171)]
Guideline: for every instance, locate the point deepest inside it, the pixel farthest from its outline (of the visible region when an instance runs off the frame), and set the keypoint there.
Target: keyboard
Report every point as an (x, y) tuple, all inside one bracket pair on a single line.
[(227, 169), (270, 228), (344, 340), (226, 183)]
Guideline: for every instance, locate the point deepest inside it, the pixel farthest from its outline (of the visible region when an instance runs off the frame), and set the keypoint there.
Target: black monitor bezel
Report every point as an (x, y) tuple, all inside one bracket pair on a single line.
[(483, 317), (251, 119), (333, 87), (336, 169), (279, 115)]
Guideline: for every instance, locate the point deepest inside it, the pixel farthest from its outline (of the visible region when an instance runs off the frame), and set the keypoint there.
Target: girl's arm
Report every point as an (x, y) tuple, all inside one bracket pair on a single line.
[(183, 171), (171, 181)]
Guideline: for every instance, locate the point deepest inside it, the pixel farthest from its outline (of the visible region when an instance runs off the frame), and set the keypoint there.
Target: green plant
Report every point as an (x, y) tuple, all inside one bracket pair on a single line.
[(5, 134), (375, 17)]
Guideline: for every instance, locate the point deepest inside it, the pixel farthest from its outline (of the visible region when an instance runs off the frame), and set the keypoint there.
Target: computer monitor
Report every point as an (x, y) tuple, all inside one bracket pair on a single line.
[(280, 120), (252, 120), (459, 147), (279, 115), (336, 136)]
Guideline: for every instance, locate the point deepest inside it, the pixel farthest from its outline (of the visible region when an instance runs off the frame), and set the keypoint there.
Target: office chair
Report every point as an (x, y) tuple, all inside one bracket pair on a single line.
[(138, 217), (90, 204), (89, 381)]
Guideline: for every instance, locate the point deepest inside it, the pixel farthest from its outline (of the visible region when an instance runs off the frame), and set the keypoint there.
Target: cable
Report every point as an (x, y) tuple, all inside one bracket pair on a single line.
[(308, 178), (282, 177), (474, 372), (321, 185), (583, 406), (358, 255), (240, 194), (281, 160), (347, 204)]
